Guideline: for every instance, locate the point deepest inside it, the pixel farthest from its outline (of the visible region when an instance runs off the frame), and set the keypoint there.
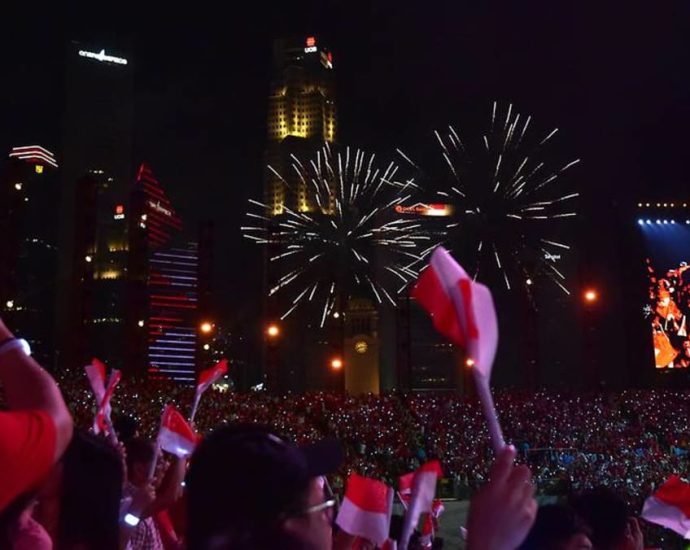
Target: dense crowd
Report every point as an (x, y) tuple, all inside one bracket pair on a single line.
[(630, 441), (318, 471)]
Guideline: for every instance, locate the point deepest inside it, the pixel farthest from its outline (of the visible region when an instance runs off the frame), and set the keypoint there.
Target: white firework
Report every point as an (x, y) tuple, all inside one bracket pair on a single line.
[(346, 237), (508, 195)]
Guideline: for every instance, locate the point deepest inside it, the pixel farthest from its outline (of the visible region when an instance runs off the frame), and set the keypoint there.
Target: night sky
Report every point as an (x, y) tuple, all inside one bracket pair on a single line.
[(614, 78)]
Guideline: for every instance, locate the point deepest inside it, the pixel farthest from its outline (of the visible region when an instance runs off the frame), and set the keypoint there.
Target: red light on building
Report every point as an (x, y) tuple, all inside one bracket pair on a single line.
[(311, 41)]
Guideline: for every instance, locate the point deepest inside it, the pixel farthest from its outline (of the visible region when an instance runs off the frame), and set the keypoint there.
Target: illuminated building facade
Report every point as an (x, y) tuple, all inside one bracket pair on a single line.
[(28, 247), (169, 286), (301, 116), (96, 169), (136, 291)]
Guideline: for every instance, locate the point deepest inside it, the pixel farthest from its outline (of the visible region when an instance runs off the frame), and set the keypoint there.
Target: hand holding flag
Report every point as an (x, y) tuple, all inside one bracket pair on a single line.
[(463, 311)]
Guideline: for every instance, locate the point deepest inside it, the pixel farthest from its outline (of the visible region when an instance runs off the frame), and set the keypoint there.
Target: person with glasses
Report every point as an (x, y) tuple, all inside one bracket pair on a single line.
[(249, 489)]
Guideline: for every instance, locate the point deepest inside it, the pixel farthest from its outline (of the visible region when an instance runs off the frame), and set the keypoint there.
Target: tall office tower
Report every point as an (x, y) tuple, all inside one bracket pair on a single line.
[(165, 282), (301, 117), (99, 291), (96, 162), (28, 247)]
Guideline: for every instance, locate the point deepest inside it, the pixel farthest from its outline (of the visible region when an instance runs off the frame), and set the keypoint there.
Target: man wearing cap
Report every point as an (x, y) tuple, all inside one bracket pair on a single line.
[(249, 489)]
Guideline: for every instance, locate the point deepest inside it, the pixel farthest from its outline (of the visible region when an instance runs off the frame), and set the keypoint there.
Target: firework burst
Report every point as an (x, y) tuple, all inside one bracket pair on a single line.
[(346, 238), (509, 199)]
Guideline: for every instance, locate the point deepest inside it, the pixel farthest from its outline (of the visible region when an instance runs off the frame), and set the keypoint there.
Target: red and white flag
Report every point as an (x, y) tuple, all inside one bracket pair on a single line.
[(670, 506), (96, 374), (421, 498), (366, 509), (102, 422), (207, 378), (176, 436), (463, 311), (211, 375)]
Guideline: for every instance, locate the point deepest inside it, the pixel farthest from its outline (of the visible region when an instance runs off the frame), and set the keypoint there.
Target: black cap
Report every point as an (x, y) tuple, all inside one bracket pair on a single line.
[(243, 478)]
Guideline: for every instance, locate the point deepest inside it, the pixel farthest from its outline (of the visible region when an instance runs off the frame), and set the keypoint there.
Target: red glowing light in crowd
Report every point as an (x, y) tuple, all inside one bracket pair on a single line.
[(311, 41)]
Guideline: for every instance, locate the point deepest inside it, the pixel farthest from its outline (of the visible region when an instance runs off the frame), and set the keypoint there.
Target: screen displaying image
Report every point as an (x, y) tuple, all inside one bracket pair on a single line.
[(668, 305)]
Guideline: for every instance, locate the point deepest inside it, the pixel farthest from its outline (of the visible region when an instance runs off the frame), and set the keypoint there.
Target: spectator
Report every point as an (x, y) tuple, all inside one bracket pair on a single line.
[(38, 427), (79, 503), (143, 533), (557, 528), (249, 489), (607, 516)]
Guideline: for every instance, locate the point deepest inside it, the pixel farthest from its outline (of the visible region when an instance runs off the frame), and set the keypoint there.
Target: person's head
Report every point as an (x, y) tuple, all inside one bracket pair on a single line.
[(140, 454), (557, 528), (606, 514), (87, 486), (126, 427), (248, 489)]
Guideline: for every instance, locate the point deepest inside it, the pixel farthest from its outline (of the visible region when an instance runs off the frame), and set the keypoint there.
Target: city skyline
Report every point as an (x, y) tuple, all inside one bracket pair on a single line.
[(614, 80)]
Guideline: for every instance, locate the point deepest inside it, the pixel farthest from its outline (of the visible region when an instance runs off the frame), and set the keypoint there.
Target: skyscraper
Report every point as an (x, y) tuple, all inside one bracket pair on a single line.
[(28, 247), (96, 166), (301, 116)]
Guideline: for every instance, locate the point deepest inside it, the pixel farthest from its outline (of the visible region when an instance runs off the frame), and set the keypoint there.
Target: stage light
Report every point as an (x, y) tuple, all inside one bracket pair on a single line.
[(206, 327), (639, 205), (665, 222), (665, 205), (647, 205), (658, 222), (336, 363), (528, 282), (649, 221), (640, 222), (273, 331), (673, 221), (673, 205)]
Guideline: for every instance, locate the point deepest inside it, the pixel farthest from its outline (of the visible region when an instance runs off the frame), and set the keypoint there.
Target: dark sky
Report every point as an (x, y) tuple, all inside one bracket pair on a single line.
[(612, 75)]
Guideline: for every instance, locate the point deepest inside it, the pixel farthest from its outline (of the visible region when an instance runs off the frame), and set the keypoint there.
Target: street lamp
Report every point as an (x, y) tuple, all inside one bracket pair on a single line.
[(591, 296)]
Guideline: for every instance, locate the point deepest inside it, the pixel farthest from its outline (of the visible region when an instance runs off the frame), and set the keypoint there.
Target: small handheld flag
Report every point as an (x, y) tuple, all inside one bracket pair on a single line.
[(463, 311)]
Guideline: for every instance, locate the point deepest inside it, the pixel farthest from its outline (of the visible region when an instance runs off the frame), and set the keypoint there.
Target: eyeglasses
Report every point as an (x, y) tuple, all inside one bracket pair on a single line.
[(330, 503)]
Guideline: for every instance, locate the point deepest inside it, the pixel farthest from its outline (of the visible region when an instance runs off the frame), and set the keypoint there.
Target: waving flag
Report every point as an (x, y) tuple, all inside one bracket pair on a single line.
[(102, 422), (176, 436), (210, 376), (366, 509), (421, 499), (463, 311), (670, 506), (207, 378)]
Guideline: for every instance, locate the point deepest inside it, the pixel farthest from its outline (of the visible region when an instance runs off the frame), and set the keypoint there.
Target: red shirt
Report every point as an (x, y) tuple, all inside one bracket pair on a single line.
[(27, 452)]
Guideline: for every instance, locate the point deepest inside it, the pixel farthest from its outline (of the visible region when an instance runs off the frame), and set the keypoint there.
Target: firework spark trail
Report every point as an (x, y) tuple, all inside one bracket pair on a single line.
[(344, 237)]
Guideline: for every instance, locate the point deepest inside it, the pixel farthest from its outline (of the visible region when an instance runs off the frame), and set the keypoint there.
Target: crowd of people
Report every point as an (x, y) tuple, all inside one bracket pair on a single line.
[(630, 441), (267, 468)]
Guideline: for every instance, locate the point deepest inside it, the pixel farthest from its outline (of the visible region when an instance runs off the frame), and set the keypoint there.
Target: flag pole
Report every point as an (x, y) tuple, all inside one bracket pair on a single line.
[(489, 410), (157, 451), (195, 406)]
